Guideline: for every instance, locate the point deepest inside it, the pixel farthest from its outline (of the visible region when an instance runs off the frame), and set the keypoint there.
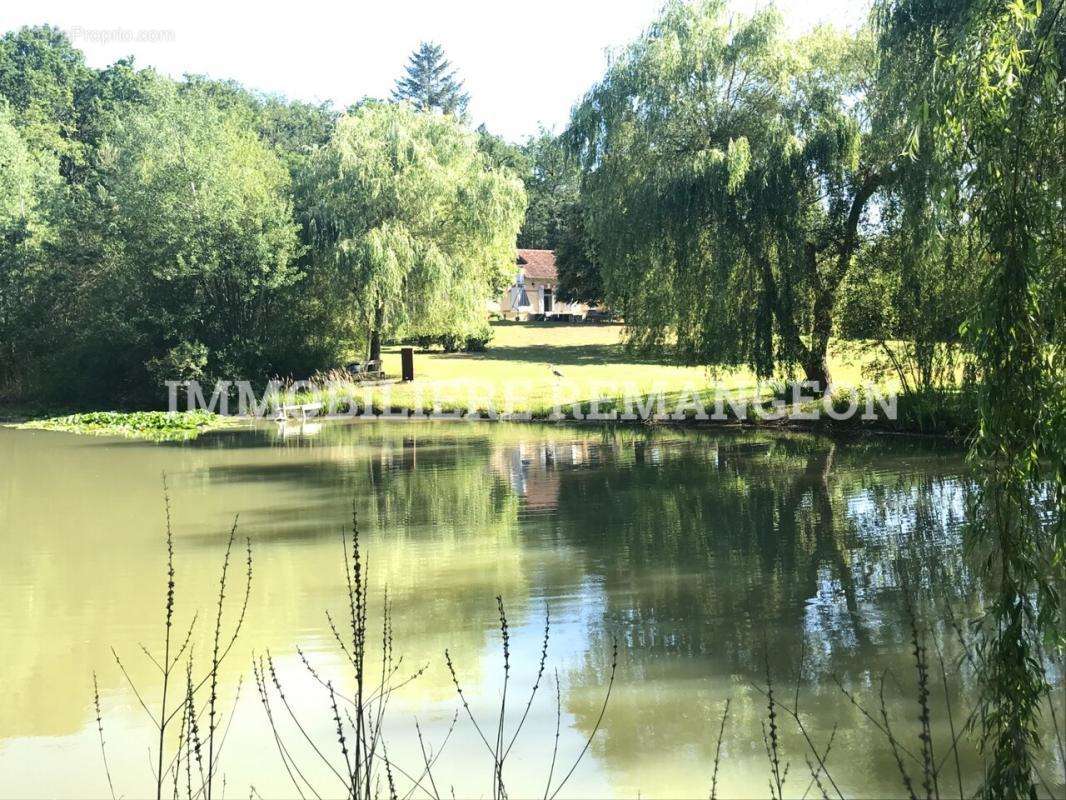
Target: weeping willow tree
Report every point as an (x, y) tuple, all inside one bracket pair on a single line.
[(982, 86), (728, 174), (414, 224)]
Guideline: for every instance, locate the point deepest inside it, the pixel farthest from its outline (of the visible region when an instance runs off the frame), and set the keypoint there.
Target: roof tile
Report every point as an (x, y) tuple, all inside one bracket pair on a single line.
[(538, 264)]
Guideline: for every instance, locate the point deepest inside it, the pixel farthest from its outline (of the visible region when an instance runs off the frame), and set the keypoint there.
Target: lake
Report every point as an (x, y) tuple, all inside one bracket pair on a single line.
[(712, 559)]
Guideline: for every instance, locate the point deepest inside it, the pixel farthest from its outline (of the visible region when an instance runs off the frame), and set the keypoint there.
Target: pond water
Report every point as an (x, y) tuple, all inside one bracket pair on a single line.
[(711, 559)]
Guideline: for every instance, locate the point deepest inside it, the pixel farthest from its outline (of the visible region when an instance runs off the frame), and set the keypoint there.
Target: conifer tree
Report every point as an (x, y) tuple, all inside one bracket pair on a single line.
[(430, 82)]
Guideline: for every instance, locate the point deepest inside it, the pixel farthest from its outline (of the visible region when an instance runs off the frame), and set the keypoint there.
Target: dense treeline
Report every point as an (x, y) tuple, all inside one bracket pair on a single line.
[(155, 230)]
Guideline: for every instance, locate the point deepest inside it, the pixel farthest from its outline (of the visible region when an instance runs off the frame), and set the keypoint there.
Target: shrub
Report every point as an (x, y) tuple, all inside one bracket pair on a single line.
[(476, 341)]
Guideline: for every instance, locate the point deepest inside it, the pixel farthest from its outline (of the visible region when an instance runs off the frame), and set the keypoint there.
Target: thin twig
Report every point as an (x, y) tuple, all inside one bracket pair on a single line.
[(718, 750), (100, 729), (596, 727)]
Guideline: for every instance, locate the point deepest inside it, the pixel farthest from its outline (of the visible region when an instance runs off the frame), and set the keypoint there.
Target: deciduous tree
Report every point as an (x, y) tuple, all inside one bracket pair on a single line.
[(728, 177), (202, 237), (29, 192), (552, 181), (981, 85), (415, 226)]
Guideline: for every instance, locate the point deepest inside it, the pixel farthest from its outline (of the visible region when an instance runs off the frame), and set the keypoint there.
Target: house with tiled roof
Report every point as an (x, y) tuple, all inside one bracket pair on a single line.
[(533, 295)]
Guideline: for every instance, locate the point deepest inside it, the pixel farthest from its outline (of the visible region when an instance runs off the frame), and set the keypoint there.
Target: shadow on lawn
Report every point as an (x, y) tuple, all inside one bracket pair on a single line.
[(567, 353), (574, 355)]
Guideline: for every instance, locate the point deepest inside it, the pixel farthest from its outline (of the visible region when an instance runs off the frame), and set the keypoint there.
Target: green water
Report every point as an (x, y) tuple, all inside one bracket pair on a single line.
[(710, 559)]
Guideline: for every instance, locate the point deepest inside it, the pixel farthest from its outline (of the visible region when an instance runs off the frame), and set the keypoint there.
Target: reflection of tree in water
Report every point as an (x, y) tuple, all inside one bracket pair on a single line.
[(404, 479), (715, 559), (700, 551), (439, 523), (757, 530), (707, 545)]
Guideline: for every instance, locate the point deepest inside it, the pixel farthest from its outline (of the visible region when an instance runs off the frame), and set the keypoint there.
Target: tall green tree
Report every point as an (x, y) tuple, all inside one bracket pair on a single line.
[(109, 95), (41, 77), (728, 178), (555, 217), (430, 83), (552, 181), (200, 244), (295, 129), (29, 190), (580, 278), (906, 301), (502, 153), (415, 225), (982, 87), (62, 111)]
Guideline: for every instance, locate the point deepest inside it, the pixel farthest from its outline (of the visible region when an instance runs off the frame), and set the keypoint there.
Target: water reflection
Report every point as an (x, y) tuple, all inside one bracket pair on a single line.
[(710, 558)]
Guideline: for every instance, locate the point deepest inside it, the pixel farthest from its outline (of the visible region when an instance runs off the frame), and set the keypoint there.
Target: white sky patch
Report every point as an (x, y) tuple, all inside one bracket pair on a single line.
[(524, 63)]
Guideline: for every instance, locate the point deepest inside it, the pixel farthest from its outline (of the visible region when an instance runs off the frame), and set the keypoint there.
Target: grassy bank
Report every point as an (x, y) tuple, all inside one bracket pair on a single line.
[(536, 370), (533, 370)]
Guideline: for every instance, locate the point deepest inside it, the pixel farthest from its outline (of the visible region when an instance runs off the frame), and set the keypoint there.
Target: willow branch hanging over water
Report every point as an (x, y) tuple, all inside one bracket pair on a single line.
[(985, 96)]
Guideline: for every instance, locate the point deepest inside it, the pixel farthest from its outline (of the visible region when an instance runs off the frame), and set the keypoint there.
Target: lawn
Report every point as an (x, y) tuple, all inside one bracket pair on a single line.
[(517, 373), (537, 369)]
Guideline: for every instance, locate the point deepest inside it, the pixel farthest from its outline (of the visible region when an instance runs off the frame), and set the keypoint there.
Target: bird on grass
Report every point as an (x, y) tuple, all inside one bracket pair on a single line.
[(555, 372)]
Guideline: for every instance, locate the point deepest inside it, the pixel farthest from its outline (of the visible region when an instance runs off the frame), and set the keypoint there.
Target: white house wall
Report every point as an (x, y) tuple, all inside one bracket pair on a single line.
[(535, 292)]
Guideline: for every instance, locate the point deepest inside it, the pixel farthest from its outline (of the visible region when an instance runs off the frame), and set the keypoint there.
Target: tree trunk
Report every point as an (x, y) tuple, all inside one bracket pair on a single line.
[(816, 364), (375, 334), (816, 371)]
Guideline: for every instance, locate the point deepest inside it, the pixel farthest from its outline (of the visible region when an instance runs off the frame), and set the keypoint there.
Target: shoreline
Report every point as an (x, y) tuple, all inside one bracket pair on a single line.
[(183, 425)]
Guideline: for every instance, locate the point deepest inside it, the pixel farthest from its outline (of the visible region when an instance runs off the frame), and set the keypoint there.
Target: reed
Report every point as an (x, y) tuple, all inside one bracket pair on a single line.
[(359, 760), (169, 747), (778, 776), (925, 760), (100, 731), (718, 750), (495, 748), (189, 728), (922, 770), (771, 734), (360, 755)]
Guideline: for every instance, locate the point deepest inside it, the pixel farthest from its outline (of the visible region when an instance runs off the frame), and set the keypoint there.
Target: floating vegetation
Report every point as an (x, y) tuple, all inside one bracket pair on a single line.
[(151, 425)]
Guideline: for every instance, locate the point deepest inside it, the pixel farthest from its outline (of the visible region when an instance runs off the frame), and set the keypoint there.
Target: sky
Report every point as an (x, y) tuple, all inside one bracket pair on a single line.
[(524, 63)]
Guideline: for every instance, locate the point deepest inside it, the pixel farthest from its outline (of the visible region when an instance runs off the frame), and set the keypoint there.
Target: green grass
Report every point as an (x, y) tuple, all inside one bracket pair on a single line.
[(517, 374)]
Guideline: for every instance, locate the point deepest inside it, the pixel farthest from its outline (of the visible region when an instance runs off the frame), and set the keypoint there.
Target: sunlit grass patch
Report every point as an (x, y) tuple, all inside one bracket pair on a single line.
[(535, 368)]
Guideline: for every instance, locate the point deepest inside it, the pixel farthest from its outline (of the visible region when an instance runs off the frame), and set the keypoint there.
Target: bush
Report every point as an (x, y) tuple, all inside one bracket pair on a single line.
[(476, 341), (452, 342), (944, 412), (186, 361)]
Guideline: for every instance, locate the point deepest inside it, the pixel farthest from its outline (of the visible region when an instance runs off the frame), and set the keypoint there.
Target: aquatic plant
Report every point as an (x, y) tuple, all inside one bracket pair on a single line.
[(360, 760), (152, 425), (496, 749), (360, 741)]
